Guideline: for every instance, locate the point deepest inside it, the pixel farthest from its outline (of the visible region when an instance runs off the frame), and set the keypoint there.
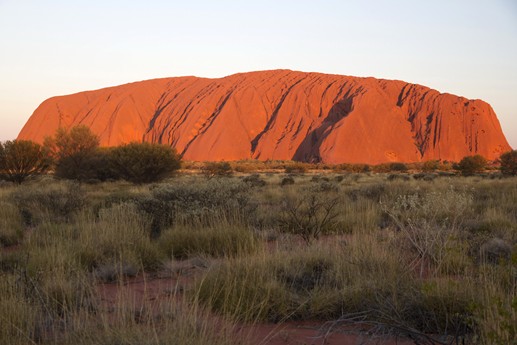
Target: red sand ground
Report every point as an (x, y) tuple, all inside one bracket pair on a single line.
[(148, 290)]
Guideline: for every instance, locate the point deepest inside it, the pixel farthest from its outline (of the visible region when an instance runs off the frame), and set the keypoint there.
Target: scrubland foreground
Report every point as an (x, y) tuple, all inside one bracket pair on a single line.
[(209, 261)]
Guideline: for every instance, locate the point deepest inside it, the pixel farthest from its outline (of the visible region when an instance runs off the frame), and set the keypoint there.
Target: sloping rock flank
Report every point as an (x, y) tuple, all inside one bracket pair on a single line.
[(281, 115)]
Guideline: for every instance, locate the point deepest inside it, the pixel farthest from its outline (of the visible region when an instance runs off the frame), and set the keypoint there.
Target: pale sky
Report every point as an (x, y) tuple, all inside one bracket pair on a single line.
[(49, 48)]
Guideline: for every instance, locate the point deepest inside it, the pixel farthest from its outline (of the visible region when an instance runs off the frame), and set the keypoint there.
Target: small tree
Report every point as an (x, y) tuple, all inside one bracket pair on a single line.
[(144, 162), (213, 169), (73, 150), (472, 164), (67, 143), (21, 159), (509, 163), (398, 167)]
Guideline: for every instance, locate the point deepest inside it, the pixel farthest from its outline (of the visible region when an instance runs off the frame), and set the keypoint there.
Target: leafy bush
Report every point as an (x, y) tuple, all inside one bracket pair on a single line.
[(472, 164), (144, 162), (495, 251), (217, 169), (254, 180), (509, 163), (354, 168), (402, 177), (429, 166), (388, 167), (89, 166), (21, 159), (205, 201), (68, 142), (55, 202), (286, 181), (398, 167), (296, 168)]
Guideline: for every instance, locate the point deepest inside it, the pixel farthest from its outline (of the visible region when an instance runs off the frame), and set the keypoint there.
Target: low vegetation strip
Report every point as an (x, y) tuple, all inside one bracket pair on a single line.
[(430, 257)]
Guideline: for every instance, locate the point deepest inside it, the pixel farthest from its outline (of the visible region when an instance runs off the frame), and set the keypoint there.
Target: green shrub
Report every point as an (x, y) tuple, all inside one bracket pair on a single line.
[(509, 163), (430, 166), (72, 150), (472, 164), (217, 169), (286, 181), (11, 261), (160, 212), (202, 201), (54, 202), (254, 180), (353, 168), (296, 168), (388, 167), (144, 162), (398, 167), (94, 165), (21, 159), (68, 142), (402, 177)]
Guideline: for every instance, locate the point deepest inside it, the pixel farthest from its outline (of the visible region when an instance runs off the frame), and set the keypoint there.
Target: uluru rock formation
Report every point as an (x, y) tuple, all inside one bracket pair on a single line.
[(282, 115)]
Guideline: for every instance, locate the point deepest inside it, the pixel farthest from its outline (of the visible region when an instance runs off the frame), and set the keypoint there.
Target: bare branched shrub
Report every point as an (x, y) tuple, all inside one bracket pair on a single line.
[(430, 222), (310, 215)]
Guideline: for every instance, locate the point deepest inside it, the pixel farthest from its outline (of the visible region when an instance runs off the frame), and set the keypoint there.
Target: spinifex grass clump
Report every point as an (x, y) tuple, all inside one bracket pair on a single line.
[(119, 236), (366, 266), (219, 240), (333, 282), (11, 224), (18, 315), (49, 202)]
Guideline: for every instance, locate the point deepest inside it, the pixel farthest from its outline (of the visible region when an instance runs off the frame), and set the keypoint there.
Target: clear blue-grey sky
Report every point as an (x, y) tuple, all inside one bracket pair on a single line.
[(48, 48)]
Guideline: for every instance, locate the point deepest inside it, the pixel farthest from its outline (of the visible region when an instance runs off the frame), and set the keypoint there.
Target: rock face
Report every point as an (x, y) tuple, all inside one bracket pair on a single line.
[(281, 115)]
